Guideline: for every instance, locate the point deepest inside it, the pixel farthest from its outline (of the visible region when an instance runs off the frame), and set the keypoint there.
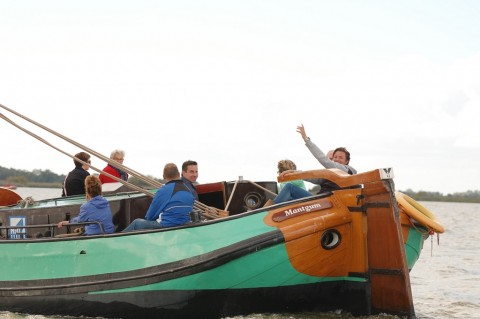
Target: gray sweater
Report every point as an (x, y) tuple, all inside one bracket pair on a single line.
[(323, 159)]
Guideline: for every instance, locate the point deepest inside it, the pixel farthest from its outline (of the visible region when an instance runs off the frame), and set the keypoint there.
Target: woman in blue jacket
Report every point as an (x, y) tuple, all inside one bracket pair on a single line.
[(96, 209)]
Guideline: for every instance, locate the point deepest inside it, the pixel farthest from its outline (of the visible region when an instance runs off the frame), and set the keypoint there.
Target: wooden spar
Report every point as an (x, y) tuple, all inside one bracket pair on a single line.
[(144, 178), (262, 188), (339, 177), (231, 195), (77, 159), (132, 172), (387, 262)]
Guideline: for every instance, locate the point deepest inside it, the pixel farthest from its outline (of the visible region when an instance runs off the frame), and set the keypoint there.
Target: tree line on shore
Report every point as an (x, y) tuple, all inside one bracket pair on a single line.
[(47, 178)]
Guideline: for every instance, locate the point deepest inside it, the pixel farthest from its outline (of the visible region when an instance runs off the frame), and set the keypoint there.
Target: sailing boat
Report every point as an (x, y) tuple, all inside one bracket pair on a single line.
[(349, 249)]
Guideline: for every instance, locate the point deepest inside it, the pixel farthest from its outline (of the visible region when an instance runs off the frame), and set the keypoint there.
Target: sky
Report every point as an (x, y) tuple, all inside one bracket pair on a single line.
[(226, 83)]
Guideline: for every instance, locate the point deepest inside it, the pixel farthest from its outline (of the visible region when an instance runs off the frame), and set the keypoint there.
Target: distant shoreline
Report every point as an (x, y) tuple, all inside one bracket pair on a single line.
[(35, 184), (467, 197)]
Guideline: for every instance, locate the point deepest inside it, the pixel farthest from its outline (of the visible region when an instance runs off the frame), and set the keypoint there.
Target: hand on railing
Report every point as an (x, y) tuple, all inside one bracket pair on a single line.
[(67, 223)]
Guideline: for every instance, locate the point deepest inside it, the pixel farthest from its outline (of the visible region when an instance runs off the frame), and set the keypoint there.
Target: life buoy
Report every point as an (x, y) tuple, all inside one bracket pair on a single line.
[(418, 212)]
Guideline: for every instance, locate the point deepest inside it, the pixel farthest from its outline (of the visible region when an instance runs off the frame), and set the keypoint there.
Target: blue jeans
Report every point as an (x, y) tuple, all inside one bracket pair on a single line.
[(139, 224), (289, 192)]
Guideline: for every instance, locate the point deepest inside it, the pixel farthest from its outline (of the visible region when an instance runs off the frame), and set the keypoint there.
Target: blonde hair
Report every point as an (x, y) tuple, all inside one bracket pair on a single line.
[(285, 165)]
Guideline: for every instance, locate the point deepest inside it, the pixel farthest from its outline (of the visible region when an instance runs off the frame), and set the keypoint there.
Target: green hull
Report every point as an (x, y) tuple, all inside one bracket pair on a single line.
[(265, 260), (191, 262)]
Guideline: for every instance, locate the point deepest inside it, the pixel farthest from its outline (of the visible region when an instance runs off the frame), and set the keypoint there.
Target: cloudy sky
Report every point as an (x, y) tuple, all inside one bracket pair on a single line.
[(227, 82)]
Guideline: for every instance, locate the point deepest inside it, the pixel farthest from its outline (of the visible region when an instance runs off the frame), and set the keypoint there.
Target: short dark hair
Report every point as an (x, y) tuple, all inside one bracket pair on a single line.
[(81, 156), (170, 171), (188, 163), (343, 149)]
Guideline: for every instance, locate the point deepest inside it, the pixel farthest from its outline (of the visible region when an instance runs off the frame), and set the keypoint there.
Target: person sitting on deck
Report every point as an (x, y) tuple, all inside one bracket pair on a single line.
[(190, 175), (288, 165), (171, 205), (74, 183), (118, 156), (341, 160), (96, 209)]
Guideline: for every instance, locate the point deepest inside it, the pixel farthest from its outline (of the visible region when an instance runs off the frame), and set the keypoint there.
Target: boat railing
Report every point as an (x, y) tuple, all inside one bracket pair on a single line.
[(25, 231)]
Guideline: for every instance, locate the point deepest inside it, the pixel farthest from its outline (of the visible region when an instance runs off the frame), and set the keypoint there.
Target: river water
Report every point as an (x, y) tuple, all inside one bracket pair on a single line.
[(445, 281)]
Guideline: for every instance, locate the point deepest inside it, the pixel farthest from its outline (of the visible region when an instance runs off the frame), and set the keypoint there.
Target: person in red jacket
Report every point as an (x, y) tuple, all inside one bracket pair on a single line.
[(118, 156)]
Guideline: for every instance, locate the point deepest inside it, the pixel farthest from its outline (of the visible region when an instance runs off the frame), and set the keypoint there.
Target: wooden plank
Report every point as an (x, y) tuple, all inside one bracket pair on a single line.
[(387, 262), (340, 177)]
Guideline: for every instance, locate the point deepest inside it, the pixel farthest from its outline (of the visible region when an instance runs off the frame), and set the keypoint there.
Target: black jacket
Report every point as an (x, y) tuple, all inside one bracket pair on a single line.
[(75, 182)]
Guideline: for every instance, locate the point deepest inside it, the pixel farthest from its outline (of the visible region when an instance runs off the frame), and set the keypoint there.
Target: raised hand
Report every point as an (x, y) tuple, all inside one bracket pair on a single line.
[(301, 130)]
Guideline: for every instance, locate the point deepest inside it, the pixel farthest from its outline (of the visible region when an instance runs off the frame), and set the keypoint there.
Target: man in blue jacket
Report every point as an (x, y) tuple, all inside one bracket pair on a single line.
[(171, 205)]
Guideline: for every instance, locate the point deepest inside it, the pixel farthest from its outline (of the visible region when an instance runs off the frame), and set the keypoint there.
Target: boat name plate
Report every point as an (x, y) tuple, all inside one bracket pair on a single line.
[(304, 208)]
